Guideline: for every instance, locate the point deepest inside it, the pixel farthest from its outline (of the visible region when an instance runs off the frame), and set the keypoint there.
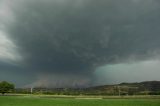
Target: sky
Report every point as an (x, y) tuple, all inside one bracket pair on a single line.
[(79, 43)]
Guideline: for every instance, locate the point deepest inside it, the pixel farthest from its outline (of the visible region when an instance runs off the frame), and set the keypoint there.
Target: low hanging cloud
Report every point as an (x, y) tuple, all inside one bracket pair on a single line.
[(71, 38)]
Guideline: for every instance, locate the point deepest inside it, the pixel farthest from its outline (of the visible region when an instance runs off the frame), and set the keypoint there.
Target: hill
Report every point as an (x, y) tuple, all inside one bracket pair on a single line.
[(147, 87), (142, 88)]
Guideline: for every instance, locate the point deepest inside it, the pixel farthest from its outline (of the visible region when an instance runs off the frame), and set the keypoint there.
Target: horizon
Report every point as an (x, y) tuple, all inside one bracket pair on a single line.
[(76, 87)]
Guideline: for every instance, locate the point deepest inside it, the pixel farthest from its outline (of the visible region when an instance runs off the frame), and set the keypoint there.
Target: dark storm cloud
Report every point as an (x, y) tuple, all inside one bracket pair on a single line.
[(77, 36)]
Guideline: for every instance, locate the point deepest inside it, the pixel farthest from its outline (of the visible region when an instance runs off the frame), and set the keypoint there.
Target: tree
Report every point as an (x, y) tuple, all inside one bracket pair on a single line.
[(6, 87)]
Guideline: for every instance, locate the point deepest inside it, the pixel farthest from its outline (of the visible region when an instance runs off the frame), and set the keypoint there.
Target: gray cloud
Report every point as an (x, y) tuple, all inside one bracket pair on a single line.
[(74, 37)]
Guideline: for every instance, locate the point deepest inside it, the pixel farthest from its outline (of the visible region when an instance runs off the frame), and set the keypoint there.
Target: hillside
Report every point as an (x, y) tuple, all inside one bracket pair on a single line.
[(147, 87), (142, 88)]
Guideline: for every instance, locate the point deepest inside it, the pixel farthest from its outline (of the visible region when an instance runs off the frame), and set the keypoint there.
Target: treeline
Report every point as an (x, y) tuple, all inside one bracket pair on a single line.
[(71, 91)]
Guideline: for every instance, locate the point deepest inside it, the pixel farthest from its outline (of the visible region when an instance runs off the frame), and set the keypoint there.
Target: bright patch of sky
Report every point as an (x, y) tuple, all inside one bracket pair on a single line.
[(128, 72), (7, 49)]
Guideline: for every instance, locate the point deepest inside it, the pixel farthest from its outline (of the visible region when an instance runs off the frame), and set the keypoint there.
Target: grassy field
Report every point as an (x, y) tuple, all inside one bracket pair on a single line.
[(75, 101)]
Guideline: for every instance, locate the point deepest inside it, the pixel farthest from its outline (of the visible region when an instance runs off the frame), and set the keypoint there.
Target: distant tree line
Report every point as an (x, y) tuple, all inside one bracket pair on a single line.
[(114, 91)]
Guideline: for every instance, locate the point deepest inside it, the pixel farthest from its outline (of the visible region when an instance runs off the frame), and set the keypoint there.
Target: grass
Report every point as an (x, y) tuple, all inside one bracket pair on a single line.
[(65, 101)]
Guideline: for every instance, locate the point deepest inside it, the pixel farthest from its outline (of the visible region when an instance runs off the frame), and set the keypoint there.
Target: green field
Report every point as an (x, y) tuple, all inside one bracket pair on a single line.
[(72, 101)]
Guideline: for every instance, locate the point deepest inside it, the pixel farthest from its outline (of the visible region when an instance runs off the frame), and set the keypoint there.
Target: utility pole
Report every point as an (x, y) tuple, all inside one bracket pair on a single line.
[(31, 90), (119, 91)]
